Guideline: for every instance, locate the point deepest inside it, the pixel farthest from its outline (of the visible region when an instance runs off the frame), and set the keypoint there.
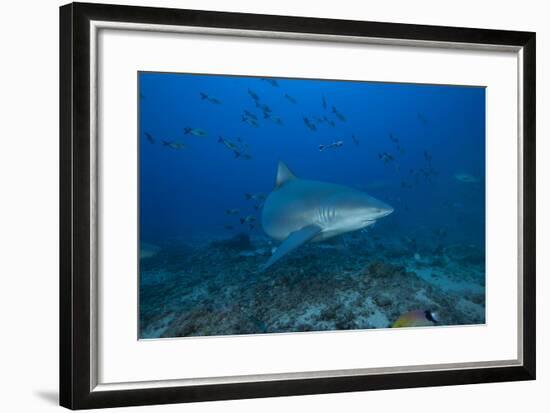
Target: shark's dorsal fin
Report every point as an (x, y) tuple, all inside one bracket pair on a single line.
[(283, 175)]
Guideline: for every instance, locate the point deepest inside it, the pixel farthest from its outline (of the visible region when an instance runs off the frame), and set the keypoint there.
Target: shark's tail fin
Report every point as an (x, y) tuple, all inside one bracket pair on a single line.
[(237, 154), (187, 130), (165, 143), (321, 148), (203, 95), (220, 139), (248, 196)]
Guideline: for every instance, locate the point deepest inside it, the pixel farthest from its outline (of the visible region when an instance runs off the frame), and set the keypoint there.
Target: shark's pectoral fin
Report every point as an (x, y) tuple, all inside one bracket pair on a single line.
[(293, 241)]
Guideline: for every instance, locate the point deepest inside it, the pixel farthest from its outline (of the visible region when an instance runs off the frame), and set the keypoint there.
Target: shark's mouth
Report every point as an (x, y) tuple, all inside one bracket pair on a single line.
[(384, 213)]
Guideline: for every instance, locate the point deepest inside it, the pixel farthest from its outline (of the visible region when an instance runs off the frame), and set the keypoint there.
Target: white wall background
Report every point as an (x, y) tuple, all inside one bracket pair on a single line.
[(29, 205)]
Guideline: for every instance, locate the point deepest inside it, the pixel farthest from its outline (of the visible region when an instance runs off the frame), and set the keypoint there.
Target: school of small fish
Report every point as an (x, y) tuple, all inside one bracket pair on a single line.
[(260, 112)]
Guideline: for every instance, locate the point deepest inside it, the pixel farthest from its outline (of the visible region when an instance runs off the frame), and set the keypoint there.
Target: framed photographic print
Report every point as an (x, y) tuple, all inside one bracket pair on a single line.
[(258, 206)]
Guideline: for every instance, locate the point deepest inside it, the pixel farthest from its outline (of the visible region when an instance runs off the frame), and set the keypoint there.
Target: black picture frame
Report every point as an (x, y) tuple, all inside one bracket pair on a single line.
[(75, 219)]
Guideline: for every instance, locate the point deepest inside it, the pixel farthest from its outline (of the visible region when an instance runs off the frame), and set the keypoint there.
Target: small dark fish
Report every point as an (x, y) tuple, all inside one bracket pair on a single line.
[(248, 219), (272, 82), (149, 137), (228, 144), (263, 107), (466, 178), (228, 227), (234, 211), (250, 121), (355, 140), (386, 157), (324, 103), (250, 115), (243, 156), (275, 119), (259, 206), (290, 98), (243, 144), (253, 95), (210, 99), (427, 173), (338, 114), (309, 124), (173, 145), (332, 124), (260, 196), (196, 132), (336, 144)]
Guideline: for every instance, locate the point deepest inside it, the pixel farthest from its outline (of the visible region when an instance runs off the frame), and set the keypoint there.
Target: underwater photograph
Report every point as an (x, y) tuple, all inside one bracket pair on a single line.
[(286, 205)]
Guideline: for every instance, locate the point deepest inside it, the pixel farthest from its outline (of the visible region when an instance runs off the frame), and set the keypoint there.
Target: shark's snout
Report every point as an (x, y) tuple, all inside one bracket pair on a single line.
[(384, 212), (380, 210)]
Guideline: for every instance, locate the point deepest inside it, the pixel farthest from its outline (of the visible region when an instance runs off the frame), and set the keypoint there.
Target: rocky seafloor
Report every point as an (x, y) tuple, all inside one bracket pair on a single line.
[(355, 282)]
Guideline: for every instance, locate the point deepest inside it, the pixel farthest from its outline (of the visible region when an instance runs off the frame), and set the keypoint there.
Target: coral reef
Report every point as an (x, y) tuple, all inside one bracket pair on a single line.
[(358, 282)]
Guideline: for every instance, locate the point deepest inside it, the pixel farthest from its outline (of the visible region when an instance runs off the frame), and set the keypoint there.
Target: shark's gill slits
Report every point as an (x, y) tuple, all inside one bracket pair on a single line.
[(325, 215), (330, 214)]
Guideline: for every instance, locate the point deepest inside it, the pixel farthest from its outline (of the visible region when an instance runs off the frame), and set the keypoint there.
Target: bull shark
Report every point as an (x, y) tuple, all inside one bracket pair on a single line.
[(298, 211)]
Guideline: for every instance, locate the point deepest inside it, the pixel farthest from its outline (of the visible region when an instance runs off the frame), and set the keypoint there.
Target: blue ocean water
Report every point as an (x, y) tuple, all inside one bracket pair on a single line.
[(209, 150)]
